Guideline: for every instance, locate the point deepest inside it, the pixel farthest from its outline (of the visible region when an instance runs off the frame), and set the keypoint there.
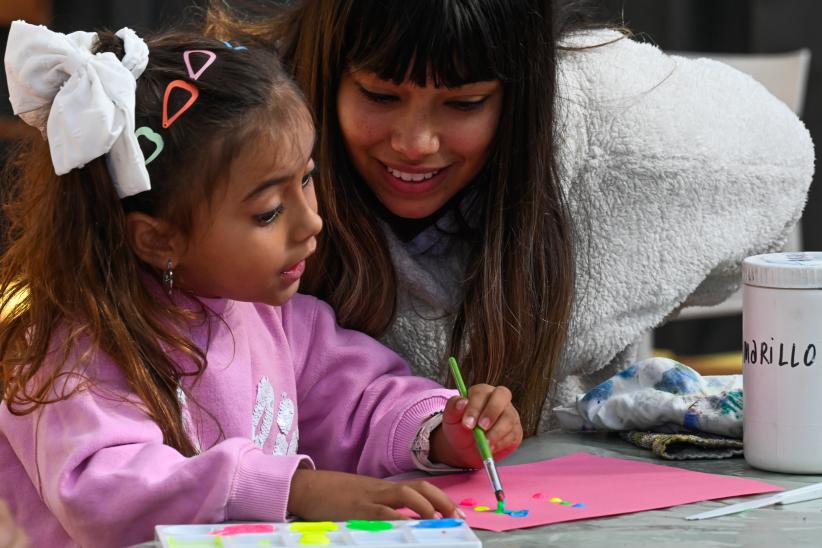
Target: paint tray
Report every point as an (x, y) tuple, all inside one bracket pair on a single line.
[(432, 533)]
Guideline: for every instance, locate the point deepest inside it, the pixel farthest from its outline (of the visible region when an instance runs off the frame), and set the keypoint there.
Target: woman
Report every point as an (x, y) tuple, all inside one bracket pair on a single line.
[(534, 196)]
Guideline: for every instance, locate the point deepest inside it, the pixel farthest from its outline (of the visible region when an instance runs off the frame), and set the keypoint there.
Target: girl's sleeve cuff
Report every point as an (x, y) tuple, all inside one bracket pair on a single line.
[(407, 430), (421, 447), (262, 484)]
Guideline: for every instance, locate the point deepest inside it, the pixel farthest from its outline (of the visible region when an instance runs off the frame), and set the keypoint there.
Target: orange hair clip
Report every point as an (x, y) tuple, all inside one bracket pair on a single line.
[(182, 84)]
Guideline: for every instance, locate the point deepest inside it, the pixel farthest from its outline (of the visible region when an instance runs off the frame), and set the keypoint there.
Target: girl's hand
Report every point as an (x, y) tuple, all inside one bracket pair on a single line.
[(321, 495), (11, 536), (490, 408)]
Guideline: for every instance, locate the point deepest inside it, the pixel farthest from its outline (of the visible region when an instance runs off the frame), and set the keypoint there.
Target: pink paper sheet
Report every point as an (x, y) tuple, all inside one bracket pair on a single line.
[(606, 486)]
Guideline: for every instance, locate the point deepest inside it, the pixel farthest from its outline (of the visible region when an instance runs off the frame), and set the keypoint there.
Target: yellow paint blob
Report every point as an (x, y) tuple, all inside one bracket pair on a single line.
[(313, 526), (481, 508), (555, 499), (314, 532), (315, 539)]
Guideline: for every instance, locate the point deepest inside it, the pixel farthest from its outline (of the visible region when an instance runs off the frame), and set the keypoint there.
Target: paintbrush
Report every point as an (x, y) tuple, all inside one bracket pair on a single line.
[(482, 442)]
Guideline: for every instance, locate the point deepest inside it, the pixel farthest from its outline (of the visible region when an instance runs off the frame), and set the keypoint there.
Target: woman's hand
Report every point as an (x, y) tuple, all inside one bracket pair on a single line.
[(321, 495), (11, 536), (488, 407)]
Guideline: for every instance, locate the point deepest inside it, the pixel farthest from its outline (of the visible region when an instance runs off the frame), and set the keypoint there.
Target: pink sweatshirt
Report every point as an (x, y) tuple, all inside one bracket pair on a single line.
[(93, 470)]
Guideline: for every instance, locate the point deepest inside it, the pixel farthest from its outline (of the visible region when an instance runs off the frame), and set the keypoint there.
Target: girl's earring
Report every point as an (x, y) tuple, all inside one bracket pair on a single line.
[(168, 277)]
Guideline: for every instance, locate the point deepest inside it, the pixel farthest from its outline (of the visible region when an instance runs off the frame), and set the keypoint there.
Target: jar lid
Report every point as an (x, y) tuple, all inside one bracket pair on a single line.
[(794, 270)]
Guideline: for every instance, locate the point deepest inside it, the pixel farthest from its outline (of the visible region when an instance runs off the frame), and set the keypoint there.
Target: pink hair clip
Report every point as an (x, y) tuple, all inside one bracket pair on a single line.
[(210, 57)]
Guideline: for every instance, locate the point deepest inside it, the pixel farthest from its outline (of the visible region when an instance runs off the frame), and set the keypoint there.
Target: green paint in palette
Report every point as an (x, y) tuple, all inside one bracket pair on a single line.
[(368, 525)]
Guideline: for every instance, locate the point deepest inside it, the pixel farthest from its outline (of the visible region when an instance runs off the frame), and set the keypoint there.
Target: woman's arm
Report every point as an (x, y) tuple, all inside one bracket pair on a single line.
[(676, 170)]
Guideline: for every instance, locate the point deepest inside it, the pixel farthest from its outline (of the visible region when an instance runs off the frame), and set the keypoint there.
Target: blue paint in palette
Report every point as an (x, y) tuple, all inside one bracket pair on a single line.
[(446, 523)]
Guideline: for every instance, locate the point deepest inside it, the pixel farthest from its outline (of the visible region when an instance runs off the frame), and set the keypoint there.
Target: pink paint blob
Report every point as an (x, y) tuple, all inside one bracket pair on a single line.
[(468, 502), (537, 496), (244, 529)]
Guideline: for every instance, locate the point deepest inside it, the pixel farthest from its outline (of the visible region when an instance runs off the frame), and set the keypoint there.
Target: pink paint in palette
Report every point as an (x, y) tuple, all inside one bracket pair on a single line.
[(582, 486)]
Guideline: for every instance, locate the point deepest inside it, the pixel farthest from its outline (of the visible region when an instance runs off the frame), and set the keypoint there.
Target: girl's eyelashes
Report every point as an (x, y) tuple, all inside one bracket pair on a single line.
[(268, 217), (468, 105), (384, 98), (379, 98), (309, 177)]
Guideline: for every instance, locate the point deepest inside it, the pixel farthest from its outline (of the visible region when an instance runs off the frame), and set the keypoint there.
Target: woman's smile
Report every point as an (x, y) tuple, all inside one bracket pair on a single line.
[(414, 180)]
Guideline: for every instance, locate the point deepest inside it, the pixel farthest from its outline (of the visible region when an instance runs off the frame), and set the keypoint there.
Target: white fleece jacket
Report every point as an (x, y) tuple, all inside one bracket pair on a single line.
[(675, 170)]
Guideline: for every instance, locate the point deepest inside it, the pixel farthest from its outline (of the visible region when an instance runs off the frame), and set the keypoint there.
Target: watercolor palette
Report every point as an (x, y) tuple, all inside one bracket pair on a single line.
[(431, 533)]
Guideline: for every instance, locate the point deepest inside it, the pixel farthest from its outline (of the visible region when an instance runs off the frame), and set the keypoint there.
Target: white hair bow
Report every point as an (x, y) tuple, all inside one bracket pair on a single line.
[(83, 101)]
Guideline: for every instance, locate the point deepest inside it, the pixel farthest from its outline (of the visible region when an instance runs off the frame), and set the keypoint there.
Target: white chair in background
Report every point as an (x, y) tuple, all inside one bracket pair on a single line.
[(785, 75)]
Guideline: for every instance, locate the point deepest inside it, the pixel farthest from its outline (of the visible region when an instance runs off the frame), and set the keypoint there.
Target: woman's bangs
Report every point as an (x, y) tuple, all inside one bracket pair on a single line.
[(447, 42)]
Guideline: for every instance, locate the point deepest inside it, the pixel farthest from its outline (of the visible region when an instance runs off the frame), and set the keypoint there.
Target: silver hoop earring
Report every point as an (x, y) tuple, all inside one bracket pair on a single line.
[(168, 277)]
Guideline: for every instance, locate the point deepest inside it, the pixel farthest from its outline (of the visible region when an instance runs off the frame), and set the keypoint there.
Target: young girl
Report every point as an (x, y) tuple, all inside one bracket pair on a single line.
[(157, 366), (528, 193)]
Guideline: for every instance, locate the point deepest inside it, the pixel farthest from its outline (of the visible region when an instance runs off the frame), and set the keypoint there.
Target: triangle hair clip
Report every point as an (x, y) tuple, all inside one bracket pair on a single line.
[(182, 84), (210, 57)]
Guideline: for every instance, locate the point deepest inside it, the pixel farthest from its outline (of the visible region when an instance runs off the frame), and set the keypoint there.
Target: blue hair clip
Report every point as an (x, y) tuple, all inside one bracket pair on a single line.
[(237, 47)]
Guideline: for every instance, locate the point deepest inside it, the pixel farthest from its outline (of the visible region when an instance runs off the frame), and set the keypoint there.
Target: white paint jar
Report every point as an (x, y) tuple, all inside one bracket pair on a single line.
[(782, 361)]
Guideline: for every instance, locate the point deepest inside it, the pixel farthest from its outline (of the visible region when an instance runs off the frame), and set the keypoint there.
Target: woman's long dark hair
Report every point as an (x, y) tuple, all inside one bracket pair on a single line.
[(69, 282), (519, 280)]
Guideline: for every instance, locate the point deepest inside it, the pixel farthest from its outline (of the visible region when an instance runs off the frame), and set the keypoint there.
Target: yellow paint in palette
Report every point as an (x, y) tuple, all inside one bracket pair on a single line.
[(315, 539), (313, 526), (314, 533)]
